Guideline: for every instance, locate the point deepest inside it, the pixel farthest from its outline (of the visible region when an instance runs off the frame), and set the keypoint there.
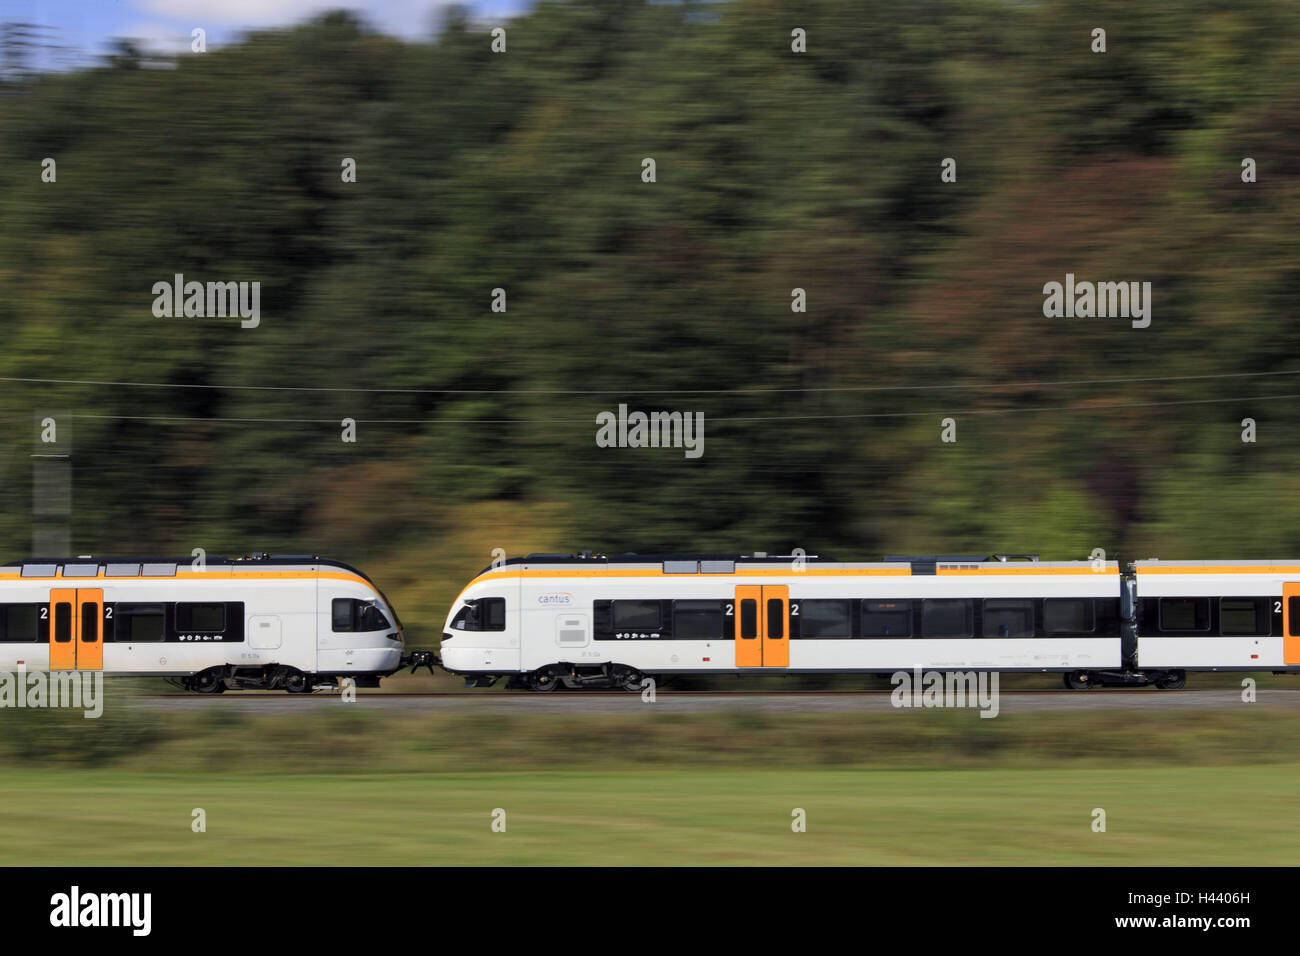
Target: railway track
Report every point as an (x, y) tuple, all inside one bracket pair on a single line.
[(614, 693), (604, 703)]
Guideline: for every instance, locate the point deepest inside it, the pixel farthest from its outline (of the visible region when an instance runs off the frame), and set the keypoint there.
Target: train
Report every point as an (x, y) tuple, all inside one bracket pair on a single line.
[(300, 623), (292, 623), (587, 620)]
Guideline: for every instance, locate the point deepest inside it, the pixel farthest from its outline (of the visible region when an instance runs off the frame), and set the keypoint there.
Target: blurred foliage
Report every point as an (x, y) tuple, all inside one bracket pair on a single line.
[(775, 170), (111, 727), (157, 735)]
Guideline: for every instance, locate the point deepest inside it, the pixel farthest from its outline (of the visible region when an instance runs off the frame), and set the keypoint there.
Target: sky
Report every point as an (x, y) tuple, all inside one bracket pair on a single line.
[(88, 27)]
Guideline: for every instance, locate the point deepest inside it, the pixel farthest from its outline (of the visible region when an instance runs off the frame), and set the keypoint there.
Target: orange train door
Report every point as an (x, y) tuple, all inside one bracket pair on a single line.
[(1291, 623), (63, 630), (90, 643), (749, 643), (762, 625), (776, 625), (75, 617)]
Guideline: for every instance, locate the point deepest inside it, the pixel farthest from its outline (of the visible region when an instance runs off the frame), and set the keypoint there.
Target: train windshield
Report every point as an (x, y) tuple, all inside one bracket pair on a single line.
[(371, 618), (353, 615)]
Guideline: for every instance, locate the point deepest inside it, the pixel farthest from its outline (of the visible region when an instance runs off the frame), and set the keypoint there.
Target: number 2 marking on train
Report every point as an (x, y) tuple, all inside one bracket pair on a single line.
[(1277, 607), (45, 612), (794, 610), (731, 610)]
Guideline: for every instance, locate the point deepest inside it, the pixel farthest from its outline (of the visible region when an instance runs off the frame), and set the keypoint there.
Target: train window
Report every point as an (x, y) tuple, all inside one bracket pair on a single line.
[(482, 614), (637, 616), (748, 619), (1293, 612), (466, 618), (697, 620), (1243, 616), (62, 622), (775, 618), (1068, 616), (349, 614), (1184, 614), (494, 614), (25, 622), (89, 623), (886, 618), (823, 619), (947, 618), (209, 618), (341, 614), (370, 618), (140, 623), (1006, 617)]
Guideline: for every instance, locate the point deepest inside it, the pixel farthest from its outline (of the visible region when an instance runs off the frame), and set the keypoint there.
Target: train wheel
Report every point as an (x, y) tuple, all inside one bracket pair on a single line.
[(296, 682), (1174, 680), (632, 683), (1079, 680), (209, 682), (543, 683)]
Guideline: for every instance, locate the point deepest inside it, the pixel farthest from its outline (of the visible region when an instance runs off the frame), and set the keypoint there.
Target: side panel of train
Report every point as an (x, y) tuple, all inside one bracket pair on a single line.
[(823, 619), (1218, 615), (181, 625)]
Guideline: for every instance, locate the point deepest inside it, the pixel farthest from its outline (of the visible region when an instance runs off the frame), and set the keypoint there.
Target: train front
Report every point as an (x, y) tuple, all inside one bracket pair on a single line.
[(479, 638), (365, 638)]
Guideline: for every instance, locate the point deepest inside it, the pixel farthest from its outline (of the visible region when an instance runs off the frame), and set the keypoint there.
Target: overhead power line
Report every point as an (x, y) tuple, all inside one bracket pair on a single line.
[(977, 386), (1009, 410)]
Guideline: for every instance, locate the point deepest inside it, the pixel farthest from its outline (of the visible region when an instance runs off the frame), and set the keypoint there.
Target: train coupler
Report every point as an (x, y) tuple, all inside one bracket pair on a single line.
[(417, 659)]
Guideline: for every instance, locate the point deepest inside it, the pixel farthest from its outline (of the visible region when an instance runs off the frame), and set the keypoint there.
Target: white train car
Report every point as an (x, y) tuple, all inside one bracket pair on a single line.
[(1218, 615), (550, 619), (291, 623)]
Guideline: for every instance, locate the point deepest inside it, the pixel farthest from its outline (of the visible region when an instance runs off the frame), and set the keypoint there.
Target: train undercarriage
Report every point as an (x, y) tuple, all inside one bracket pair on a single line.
[(218, 680), (1164, 679), (597, 676), (574, 677)]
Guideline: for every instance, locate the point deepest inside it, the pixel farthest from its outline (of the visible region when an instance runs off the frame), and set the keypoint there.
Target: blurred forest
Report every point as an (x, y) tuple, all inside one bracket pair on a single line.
[(775, 170)]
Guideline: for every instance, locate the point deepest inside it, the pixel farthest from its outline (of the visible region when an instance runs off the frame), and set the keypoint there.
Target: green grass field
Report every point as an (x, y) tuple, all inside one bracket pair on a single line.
[(1176, 816), (649, 787)]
